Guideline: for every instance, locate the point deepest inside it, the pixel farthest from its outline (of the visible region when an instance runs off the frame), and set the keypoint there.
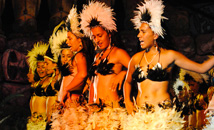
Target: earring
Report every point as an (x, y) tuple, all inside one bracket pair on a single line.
[(80, 46), (155, 45)]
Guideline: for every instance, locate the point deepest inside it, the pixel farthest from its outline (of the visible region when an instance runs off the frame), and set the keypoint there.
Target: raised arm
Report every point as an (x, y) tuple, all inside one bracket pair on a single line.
[(185, 63)]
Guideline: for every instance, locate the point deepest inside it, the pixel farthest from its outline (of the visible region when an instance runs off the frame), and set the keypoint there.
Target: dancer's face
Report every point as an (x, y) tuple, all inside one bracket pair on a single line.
[(73, 42), (101, 37), (49, 66), (66, 56), (146, 36), (41, 70)]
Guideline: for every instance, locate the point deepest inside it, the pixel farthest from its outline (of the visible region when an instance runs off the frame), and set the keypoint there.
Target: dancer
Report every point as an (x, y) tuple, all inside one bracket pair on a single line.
[(98, 23), (51, 85), (75, 59), (37, 75), (151, 67), (83, 51)]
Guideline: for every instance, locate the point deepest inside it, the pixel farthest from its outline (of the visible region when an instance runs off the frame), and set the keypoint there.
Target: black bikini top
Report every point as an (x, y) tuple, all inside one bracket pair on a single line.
[(47, 91), (157, 73), (104, 68)]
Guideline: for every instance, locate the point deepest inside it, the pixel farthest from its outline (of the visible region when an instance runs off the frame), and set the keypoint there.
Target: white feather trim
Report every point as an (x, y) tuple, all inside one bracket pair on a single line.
[(72, 117), (57, 41), (178, 83), (107, 119), (160, 119), (101, 12), (73, 19), (155, 8)]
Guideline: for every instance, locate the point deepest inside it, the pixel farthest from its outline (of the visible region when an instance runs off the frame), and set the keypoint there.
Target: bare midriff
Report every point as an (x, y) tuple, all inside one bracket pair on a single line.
[(104, 84), (152, 92)]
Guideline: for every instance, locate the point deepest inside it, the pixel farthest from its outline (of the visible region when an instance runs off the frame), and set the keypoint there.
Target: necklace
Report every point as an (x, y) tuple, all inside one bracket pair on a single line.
[(101, 54), (148, 63)]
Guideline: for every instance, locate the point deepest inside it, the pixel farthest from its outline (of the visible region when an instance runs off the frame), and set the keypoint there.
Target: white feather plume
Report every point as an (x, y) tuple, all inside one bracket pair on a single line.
[(73, 19), (57, 40), (101, 12), (155, 9)]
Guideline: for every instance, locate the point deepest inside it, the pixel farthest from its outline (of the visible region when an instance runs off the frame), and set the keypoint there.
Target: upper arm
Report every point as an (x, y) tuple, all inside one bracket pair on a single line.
[(81, 64), (131, 69), (124, 57), (185, 63)]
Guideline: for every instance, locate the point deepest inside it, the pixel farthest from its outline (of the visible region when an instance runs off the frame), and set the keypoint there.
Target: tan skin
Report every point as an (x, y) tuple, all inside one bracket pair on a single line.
[(156, 92), (51, 67), (106, 85), (79, 66), (38, 103)]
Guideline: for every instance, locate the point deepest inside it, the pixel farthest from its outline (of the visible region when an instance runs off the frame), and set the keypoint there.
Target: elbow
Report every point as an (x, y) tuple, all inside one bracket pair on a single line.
[(83, 75)]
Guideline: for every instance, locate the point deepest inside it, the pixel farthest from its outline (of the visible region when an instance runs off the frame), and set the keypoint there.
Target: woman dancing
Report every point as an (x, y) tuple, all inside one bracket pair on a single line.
[(98, 23), (37, 75), (151, 67)]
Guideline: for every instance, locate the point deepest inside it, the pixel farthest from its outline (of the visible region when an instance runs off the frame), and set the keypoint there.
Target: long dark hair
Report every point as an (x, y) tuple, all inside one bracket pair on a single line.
[(167, 41), (88, 50)]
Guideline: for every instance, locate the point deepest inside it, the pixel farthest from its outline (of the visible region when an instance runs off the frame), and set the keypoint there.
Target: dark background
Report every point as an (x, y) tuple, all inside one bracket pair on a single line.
[(24, 22)]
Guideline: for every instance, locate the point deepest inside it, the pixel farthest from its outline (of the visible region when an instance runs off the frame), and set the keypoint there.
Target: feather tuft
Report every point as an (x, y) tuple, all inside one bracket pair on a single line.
[(97, 14), (150, 12)]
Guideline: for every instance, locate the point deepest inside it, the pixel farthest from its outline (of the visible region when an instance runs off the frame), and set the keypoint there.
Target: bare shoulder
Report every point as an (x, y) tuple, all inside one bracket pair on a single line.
[(79, 56), (136, 57), (169, 52), (119, 51)]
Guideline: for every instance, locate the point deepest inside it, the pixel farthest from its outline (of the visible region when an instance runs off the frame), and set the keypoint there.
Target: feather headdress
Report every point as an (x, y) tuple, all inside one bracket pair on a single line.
[(150, 12), (50, 55), (179, 85), (58, 41), (196, 76), (72, 23), (36, 54), (97, 14)]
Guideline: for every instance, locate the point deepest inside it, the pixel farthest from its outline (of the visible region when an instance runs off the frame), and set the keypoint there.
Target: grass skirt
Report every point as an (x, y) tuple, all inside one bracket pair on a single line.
[(37, 122), (156, 119), (106, 119), (72, 116)]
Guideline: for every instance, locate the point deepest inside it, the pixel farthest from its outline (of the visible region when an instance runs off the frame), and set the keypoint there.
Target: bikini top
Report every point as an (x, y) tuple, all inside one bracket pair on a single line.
[(47, 91), (103, 68), (157, 73)]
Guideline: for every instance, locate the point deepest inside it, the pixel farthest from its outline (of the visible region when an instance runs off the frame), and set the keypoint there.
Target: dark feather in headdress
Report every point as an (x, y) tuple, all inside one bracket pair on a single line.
[(94, 22), (61, 27), (146, 16), (68, 25), (64, 45), (40, 57), (49, 53)]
